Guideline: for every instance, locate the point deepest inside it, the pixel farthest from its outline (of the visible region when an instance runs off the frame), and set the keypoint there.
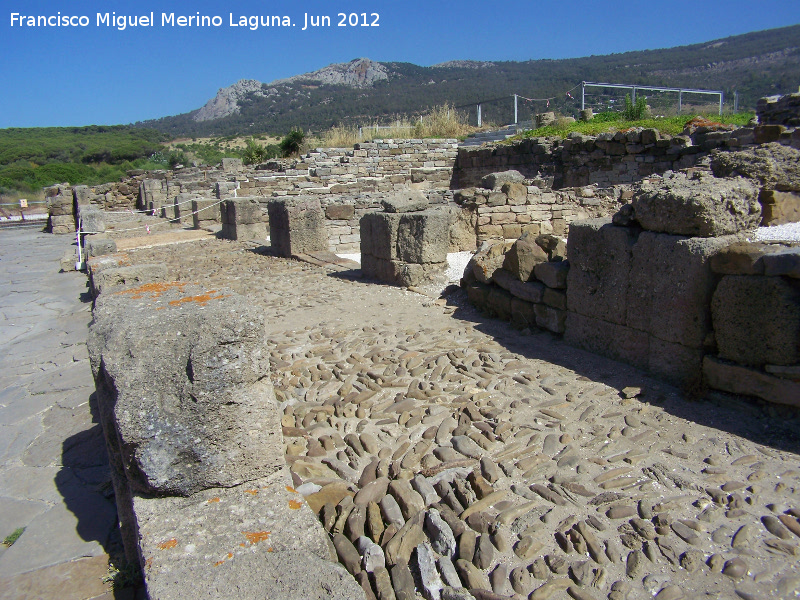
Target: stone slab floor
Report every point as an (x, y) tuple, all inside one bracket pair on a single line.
[(525, 464), (54, 478)]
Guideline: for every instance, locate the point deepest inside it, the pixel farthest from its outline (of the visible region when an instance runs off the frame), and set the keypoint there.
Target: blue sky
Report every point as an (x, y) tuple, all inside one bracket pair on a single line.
[(100, 75)]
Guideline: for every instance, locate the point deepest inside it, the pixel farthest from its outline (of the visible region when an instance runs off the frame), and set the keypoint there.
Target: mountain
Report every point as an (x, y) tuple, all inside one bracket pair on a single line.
[(363, 92)]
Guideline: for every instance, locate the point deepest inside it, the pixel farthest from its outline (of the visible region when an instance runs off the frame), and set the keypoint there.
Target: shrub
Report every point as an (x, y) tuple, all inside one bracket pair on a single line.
[(292, 143), (635, 111)]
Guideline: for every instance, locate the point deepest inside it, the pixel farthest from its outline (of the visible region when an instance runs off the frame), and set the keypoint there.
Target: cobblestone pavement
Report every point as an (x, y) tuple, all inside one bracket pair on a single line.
[(54, 478), (506, 462)]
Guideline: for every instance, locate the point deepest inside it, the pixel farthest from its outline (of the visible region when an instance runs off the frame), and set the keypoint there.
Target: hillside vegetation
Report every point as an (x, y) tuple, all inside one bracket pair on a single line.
[(31, 158), (753, 65)]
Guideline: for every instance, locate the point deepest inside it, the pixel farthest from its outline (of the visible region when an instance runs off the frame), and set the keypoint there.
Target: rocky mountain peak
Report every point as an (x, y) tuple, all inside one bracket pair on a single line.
[(358, 73)]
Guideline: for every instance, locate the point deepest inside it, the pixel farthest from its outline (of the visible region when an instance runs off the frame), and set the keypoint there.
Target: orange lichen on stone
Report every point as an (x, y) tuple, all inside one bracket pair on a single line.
[(154, 290), (251, 492), (201, 299), (295, 504), (227, 557), (213, 500), (254, 537), (291, 489), (168, 544), (270, 549), (148, 563)]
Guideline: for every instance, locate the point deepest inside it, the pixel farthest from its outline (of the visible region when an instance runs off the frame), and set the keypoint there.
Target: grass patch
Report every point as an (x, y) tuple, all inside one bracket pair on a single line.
[(13, 537), (439, 122), (122, 574), (609, 122)]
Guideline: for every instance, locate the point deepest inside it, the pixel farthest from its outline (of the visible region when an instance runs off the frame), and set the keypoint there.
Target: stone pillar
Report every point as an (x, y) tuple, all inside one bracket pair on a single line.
[(205, 212), (242, 219), (297, 226), (406, 245)]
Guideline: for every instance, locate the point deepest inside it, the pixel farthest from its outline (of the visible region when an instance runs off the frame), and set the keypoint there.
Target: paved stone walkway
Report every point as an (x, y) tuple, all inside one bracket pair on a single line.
[(410, 420), (54, 478)]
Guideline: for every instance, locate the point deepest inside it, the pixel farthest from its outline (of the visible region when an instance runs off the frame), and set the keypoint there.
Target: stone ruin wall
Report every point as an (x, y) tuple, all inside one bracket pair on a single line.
[(678, 293)]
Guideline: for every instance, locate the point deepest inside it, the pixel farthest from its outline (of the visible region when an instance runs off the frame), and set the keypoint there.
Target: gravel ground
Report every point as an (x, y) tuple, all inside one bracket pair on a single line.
[(779, 233), (426, 434)]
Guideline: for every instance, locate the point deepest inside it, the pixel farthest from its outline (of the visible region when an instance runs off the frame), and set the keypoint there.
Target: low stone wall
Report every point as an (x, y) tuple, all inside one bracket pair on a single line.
[(755, 314), (506, 206), (192, 427), (670, 285), (612, 158), (779, 110)]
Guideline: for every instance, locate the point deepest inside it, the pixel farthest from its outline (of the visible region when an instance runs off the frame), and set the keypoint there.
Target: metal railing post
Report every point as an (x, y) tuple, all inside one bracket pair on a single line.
[(583, 95), (516, 120), (720, 103), (480, 121)]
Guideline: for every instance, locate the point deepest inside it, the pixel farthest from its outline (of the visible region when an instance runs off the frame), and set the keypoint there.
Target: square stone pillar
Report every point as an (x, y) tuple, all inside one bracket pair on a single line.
[(297, 226), (242, 219)]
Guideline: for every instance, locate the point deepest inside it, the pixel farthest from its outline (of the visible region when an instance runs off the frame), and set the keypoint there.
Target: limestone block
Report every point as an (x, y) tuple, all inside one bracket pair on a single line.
[(675, 363), (779, 208), (757, 320), (670, 286), (62, 224), (485, 262), (121, 277), (608, 339), (98, 246), (550, 318), (741, 258), (82, 194), (405, 201), (522, 258), (782, 261), (522, 313), (340, 212), (232, 165), (297, 226), (750, 382), (703, 206), (92, 219), (553, 274), (379, 235), (600, 264), (532, 291), (189, 410), (774, 166), (241, 211), (498, 303), (204, 212), (60, 205), (494, 181), (423, 237)]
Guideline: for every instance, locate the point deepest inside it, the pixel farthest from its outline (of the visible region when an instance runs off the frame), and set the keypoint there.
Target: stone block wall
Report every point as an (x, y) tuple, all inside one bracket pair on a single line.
[(193, 432), (755, 312), (610, 158), (505, 209), (779, 110)]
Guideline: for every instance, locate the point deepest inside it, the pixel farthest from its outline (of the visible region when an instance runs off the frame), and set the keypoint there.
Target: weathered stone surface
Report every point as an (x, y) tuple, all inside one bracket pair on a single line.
[(297, 226), (276, 548), (120, 277), (340, 212), (188, 411), (405, 201), (553, 274), (743, 258), (750, 382), (670, 287), (496, 180), (484, 264), (608, 339), (522, 257), (99, 246), (774, 166), (779, 208), (92, 219), (757, 320), (701, 207), (530, 291), (597, 283), (205, 211)]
